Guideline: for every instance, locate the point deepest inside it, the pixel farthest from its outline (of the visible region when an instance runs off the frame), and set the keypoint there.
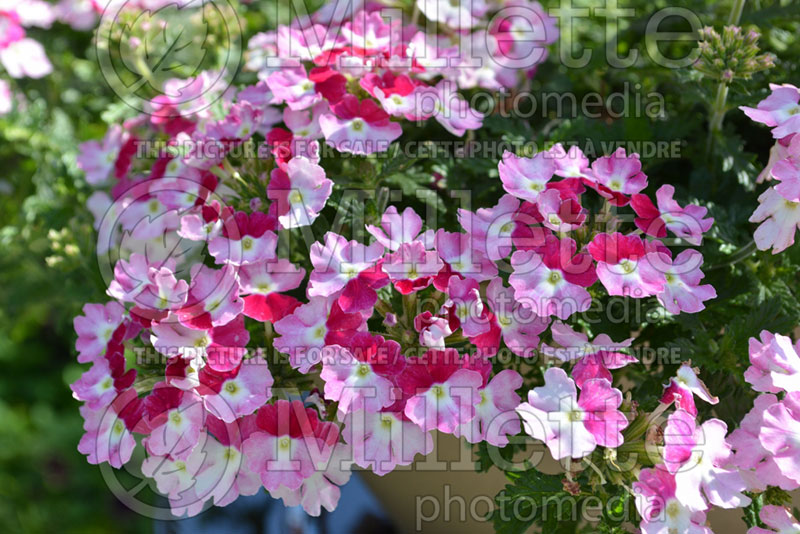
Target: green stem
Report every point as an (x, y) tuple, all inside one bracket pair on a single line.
[(743, 253), (736, 13), (719, 109)]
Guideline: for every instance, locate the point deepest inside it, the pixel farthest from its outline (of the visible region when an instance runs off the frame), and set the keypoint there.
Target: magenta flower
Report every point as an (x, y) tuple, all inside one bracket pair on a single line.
[(751, 455), (495, 418), (448, 107), (787, 172), (383, 440), (300, 192), (223, 345), (321, 489), (304, 124), (177, 478), (779, 435), (412, 268), (263, 283), (213, 298), (570, 163), (98, 159), (359, 127), (684, 387), (241, 391), (369, 32), (398, 95), (662, 512), (682, 290), (779, 110), (441, 392), (688, 223), (347, 269), (700, 459), (777, 518), (461, 258), (492, 229), (569, 426), (594, 360), (95, 328), (625, 267), (526, 178), (361, 376), (553, 280), (105, 380), (152, 286), (293, 87), (617, 176), (245, 239), (310, 327), (779, 220), (519, 325), (109, 430), (458, 14), (432, 330), (281, 448), (466, 305), (775, 364), (561, 211), (397, 229), (175, 418)]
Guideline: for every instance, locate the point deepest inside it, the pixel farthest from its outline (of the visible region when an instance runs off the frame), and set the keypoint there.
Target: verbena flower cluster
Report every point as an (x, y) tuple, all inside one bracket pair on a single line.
[(284, 376)]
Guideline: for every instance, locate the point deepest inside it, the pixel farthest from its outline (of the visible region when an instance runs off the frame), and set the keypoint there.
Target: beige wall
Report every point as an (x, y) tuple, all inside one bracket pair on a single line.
[(402, 492)]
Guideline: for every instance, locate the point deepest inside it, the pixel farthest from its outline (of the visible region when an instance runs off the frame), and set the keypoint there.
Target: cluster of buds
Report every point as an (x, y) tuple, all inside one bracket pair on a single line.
[(732, 55)]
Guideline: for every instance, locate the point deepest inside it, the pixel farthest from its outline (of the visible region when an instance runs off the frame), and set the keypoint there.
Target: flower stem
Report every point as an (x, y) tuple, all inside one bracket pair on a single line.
[(719, 109)]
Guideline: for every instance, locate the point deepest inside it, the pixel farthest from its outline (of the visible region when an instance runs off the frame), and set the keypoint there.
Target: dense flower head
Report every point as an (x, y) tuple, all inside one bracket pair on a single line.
[(292, 344)]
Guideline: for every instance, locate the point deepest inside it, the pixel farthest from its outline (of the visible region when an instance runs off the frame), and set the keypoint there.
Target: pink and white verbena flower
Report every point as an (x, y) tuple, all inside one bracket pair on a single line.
[(661, 510), (700, 458), (778, 519), (572, 426)]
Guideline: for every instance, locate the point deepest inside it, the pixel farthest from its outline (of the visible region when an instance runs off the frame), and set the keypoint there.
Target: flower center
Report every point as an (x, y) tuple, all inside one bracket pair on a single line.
[(575, 416), (176, 418), (230, 387), (438, 391), (627, 266), (554, 277), (363, 369), (536, 186), (284, 443), (357, 125), (673, 509), (247, 243)]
